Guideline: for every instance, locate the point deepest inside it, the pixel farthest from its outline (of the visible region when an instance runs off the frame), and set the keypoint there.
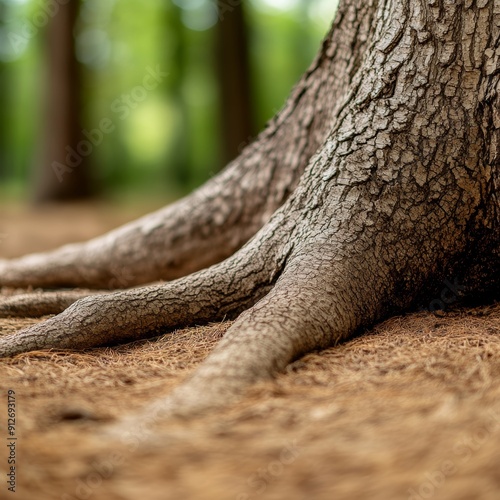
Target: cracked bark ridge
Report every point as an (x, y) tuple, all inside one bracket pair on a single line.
[(402, 193)]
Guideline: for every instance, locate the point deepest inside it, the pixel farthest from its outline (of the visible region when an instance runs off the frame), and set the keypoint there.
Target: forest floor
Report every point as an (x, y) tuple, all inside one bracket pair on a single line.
[(409, 410)]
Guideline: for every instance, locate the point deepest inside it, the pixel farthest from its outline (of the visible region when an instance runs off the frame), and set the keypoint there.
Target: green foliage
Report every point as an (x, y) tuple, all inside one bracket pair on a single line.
[(168, 142)]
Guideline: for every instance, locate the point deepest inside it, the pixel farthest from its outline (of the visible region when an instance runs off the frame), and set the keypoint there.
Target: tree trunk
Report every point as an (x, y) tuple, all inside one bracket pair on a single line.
[(179, 161), (7, 166), (62, 169), (402, 193), (233, 74), (6, 159)]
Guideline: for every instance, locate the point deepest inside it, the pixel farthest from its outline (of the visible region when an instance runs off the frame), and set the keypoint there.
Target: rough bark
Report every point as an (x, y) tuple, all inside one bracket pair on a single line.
[(403, 192)]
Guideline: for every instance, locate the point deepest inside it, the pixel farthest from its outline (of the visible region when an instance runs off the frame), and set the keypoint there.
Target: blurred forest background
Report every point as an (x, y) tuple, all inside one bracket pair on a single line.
[(114, 98)]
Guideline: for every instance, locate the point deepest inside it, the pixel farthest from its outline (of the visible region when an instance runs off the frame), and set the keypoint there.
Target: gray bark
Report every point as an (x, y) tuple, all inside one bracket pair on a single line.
[(402, 193)]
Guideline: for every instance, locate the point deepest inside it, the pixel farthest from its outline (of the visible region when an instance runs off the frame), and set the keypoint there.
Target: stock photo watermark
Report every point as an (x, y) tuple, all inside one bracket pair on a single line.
[(463, 450), (121, 107), (50, 8), (450, 293), (260, 480), (101, 470), (11, 441), (29, 29), (225, 6), (104, 468)]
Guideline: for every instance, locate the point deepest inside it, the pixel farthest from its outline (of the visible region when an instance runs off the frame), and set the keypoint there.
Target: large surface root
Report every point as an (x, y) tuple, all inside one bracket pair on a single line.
[(294, 318), (220, 291)]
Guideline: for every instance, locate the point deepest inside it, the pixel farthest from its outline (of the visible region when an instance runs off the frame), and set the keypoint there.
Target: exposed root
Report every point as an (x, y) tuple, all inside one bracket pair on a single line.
[(34, 305), (223, 290), (294, 318)]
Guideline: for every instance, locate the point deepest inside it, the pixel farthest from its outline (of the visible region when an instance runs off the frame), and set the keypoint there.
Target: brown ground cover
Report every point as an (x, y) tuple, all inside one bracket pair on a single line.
[(409, 410)]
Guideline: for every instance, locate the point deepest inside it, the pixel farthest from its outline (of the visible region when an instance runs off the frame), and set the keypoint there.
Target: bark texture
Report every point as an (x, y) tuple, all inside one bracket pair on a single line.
[(402, 193)]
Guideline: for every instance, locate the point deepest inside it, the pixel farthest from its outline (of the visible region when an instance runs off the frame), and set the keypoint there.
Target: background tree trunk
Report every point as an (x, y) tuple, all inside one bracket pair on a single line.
[(62, 123), (5, 139), (179, 161), (233, 73), (6, 149)]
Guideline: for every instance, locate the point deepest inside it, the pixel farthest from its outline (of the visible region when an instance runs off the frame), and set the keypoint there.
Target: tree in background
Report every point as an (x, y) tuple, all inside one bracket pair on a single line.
[(62, 168), (234, 81), (173, 140), (5, 96), (178, 160)]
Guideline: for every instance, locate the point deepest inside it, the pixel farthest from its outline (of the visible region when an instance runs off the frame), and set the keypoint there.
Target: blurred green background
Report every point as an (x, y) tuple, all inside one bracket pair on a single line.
[(68, 68)]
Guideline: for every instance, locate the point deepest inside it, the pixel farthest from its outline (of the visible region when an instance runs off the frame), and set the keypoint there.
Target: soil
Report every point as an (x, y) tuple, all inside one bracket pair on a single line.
[(407, 410)]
